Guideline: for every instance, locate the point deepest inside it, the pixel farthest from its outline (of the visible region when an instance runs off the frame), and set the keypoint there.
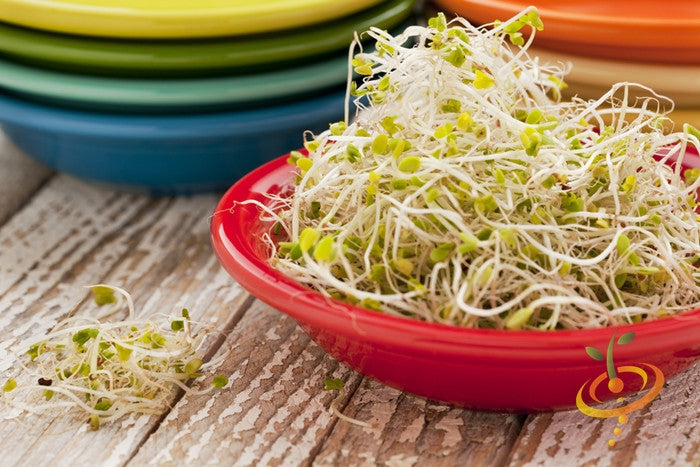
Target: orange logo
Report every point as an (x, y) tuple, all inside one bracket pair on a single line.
[(616, 385)]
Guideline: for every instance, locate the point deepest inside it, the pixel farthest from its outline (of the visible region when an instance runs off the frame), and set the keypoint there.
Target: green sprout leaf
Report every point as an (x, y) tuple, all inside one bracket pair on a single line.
[(469, 243), (691, 175), (192, 366), (533, 19), (486, 204), (572, 203), (103, 404), (438, 22), (620, 280), (629, 184), (377, 273), (84, 335), (389, 124), (441, 252), (35, 350), (308, 237), (9, 385), (508, 237), (338, 128), (451, 105), (623, 244), (333, 384), (304, 163), (691, 130), (219, 381), (464, 121), (519, 319), (380, 145), (353, 153), (443, 130), (123, 353), (399, 184), (371, 304), (482, 80), (324, 249), (404, 266), (457, 55), (103, 295), (431, 195), (94, 422), (409, 164)]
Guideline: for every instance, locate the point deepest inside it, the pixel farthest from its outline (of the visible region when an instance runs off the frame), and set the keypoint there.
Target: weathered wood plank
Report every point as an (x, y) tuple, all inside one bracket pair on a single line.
[(19, 177), (408, 430), (665, 432), (73, 234), (275, 411)]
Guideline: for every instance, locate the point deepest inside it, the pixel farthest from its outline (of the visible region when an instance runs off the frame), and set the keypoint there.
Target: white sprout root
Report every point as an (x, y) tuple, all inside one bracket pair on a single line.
[(107, 369), (467, 192)]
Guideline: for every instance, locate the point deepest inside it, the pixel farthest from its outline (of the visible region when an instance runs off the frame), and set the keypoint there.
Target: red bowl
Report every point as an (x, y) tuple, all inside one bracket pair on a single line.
[(640, 30), (494, 370)]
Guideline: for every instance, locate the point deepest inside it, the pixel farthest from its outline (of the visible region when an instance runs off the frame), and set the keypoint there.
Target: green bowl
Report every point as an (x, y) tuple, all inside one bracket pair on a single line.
[(197, 57), (190, 95)]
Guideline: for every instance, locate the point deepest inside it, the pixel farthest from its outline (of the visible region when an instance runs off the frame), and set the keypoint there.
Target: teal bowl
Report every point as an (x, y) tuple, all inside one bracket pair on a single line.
[(185, 95), (163, 154)]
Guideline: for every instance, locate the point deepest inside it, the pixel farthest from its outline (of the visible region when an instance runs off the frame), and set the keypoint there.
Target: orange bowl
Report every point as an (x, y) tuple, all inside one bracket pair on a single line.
[(623, 30)]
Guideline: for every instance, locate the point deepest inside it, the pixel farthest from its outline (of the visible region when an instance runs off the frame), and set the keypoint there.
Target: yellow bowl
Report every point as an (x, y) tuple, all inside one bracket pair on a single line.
[(173, 18)]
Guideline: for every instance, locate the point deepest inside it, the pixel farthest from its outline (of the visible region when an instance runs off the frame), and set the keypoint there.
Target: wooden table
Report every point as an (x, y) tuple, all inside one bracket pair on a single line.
[(58, 234)]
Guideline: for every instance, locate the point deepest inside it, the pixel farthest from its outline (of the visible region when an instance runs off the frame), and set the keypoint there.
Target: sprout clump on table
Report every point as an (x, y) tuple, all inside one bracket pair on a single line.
[(106, 369), (467, 192)]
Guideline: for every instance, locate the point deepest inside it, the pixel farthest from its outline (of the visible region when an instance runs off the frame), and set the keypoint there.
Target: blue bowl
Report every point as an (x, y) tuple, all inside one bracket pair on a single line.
[(164, 154)]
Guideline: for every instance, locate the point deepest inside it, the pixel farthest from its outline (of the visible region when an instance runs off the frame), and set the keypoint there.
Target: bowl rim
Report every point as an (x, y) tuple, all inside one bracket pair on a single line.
[(607, 29), (622, 18), (230, 239), (186, 56), (236, 91), (163, 19), (230, 123)]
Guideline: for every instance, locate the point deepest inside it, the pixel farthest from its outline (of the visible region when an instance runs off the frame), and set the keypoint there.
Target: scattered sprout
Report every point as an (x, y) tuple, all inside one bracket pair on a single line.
[(9, 385), (219, 381), (108, 369), (337, 384)]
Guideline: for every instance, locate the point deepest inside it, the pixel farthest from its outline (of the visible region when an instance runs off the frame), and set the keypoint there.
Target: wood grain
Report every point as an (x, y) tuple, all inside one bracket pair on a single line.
[(58, 234), (275, 411), (665, 432), (408, 430), (19, 177), (73, 234)]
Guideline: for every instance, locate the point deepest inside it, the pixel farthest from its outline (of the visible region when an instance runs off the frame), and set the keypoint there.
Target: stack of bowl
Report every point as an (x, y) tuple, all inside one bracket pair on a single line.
[(172, 96), (641, 41)]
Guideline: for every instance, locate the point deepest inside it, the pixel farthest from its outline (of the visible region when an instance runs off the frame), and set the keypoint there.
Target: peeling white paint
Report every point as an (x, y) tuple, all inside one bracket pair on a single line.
[(195, 451), (450, 424), (131, 430), (400, 460), (413, 430)]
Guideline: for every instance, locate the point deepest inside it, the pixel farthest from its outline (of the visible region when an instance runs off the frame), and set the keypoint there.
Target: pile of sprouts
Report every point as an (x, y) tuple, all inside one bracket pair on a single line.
[(468, 192), (107, 369)]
